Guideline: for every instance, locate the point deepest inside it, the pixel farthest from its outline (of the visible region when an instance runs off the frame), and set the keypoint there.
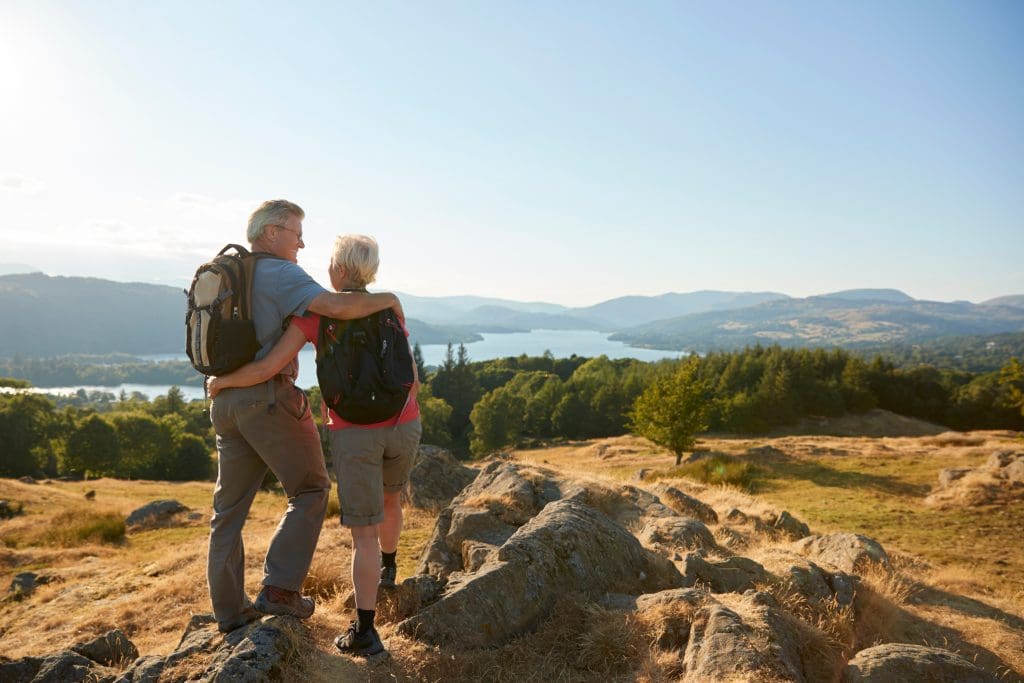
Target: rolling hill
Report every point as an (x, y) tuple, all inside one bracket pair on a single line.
[(826, 321)]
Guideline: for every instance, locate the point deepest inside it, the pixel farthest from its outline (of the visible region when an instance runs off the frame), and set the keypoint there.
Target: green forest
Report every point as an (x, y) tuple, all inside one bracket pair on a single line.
[(475, 408)]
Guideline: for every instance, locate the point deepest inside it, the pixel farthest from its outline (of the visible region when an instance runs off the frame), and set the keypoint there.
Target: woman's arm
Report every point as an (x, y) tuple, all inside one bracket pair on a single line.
[(352, 305), (263, 369)]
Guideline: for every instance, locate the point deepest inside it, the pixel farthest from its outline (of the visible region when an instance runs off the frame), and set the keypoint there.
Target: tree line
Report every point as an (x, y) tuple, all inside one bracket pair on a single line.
[(131, 438), (475, 408), (478, 407)]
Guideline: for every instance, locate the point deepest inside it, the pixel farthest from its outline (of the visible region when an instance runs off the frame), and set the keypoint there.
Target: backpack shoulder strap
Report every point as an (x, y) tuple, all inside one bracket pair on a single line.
[(239, 249)]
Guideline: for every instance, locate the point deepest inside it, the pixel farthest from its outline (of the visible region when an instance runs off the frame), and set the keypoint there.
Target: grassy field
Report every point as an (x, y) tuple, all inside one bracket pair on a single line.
[(961, 585), (873, 486)]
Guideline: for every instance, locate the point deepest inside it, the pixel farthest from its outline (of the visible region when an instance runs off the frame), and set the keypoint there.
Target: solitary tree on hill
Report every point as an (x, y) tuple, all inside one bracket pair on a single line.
[(673, 409)]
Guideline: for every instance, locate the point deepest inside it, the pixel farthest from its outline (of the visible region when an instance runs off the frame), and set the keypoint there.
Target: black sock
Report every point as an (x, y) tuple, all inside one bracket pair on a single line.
[(365, 619), (388, 559)]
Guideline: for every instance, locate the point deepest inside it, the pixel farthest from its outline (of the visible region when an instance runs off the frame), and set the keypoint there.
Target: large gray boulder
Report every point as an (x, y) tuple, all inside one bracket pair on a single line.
[(893, 662), (436, 478), (569, 547), (483, 516)]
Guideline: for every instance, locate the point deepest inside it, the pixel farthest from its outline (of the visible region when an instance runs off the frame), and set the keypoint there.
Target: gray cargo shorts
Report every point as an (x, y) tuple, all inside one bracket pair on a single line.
[(368, 462)]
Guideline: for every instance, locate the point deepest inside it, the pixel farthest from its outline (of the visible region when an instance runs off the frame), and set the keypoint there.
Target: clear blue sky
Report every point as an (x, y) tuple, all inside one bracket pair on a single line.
[(565, 152)]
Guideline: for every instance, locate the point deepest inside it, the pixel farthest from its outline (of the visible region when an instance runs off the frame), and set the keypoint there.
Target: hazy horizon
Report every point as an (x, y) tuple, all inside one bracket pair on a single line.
[(375, 287), (561, 153)]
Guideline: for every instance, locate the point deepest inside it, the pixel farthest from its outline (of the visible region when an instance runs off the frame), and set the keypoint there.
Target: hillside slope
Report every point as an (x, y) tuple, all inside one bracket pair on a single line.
[(826, 321)]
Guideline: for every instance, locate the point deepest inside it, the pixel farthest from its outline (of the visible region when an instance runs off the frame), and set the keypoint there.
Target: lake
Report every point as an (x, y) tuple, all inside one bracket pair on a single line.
[(561, 344)]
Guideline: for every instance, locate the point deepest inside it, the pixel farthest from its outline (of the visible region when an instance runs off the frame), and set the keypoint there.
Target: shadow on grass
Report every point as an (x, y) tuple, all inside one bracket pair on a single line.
[(929, 595), (879, 620), (786, 467)]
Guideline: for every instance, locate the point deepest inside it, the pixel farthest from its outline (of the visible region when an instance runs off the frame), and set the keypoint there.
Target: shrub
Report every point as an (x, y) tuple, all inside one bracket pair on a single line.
[(80, 527), (715, 470)]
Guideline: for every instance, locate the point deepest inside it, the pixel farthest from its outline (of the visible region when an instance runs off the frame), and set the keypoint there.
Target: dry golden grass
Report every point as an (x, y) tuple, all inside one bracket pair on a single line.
[(957, 578)]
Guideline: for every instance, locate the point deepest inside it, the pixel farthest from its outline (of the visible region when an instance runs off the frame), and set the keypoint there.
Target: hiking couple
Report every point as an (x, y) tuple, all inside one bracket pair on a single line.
[(263, 420)]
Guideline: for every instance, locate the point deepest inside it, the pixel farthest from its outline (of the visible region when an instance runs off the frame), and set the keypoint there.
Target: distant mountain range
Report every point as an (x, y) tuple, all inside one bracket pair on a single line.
[(849, 319), (44, 315)]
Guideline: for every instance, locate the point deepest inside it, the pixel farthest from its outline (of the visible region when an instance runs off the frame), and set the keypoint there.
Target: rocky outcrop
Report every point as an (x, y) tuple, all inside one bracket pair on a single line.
[(905, 662), (748, 639), (436, 478), (809, 579), (94, 660), (154, 513), (569, 547), (259, 651), (1000, 479)]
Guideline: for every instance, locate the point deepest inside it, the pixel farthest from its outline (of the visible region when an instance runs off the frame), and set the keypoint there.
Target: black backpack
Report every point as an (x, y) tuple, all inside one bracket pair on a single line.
[(364, 367), (220, 335)]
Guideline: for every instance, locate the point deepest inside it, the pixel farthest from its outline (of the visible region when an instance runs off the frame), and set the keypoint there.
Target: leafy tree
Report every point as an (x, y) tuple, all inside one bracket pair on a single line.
[(26, 426), (144, 446), (673, 409), (497, 420), (434, 416), (191, 460), (92, 447), (570, 416), (1012, 376)]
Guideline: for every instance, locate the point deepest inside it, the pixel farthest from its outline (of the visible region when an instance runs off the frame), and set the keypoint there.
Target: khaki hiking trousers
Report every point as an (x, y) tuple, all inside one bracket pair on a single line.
[(264, 426)]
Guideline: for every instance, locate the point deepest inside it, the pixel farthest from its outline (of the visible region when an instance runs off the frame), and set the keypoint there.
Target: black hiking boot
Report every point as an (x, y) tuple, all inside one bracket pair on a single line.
[(365, 644), (387, 577)]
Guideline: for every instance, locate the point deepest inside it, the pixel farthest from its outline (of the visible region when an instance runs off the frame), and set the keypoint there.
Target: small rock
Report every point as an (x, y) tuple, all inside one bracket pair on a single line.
[(734, 575), (669, 534), (951, 474), (685, 504), (154, 512), (641, 474), (90, 495), (27, 480), (791, 526), (111, 649), (905, 662), (844, 551), (9, 509), (23, 585)]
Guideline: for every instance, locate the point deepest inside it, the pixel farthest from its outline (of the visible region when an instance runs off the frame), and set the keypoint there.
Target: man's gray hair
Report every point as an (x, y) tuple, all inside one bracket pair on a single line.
[(358, 255), (271, 212)]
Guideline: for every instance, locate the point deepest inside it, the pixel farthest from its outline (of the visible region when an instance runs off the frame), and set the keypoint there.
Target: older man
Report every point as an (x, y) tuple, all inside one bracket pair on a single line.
[(270, 426)]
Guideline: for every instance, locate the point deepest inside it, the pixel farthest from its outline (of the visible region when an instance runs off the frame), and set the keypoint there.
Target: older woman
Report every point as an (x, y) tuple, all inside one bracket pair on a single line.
[(372, 462)]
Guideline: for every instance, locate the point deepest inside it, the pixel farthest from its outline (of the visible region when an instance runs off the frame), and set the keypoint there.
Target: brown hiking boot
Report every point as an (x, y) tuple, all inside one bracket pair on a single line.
[(274, 600)]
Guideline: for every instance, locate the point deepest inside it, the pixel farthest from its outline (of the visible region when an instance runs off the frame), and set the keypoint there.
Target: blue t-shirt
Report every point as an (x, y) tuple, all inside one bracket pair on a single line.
[(280, 289)]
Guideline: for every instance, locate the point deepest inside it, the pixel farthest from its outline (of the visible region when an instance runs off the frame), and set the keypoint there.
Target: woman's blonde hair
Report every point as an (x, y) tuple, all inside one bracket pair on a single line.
[(359, 256)]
